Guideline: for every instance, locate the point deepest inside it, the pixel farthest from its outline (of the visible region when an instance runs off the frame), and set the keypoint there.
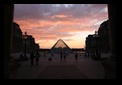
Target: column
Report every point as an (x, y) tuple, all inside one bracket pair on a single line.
[(112, 31), (8, 20)]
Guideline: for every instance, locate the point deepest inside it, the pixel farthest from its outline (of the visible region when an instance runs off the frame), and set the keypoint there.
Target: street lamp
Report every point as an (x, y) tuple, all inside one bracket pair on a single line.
[(96, 36), (25, 37)]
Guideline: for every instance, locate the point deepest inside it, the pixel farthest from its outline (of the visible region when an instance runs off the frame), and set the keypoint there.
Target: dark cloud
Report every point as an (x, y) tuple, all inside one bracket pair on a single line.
[(45, 11), (26, 11)]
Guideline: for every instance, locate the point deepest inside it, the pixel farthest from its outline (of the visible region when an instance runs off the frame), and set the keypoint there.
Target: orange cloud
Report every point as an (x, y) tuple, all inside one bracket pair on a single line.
[(59, 16), (71, 23)]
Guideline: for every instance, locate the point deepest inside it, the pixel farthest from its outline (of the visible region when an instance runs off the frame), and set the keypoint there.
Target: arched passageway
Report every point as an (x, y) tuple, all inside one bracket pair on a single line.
[(8, 19)]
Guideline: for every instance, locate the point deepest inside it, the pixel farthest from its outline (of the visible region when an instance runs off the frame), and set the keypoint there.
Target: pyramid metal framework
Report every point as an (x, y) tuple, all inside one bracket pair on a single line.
[(60, 46)]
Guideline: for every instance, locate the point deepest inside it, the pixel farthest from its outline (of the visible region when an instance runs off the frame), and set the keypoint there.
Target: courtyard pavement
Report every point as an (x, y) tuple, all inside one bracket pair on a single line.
[(83, 68)]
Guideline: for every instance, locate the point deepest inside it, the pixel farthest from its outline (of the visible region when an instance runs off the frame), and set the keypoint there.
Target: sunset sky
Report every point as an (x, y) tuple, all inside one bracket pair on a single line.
[(49, 22)]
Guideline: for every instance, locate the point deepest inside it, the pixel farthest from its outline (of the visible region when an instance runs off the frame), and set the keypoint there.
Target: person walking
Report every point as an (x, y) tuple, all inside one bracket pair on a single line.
[(98, 55), (61, 54), (32, 57), (76, 56), (21, 58), (85, 55), (64, 54)]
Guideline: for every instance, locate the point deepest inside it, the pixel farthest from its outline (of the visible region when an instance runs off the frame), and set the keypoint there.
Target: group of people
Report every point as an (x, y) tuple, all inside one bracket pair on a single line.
[(93, 55), (63, 55), (34, 56), (22, 58)]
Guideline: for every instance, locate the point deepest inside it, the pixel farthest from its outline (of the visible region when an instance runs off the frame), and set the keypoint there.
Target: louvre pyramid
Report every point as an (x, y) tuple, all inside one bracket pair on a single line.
[(60, 46)]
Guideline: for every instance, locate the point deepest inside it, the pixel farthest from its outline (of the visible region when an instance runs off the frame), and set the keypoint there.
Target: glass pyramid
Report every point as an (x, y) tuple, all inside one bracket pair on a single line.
[(60, 46)]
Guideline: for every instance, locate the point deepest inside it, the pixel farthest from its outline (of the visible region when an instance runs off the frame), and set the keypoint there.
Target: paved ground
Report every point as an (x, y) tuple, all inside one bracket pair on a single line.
[(61, 72), (57, 69)]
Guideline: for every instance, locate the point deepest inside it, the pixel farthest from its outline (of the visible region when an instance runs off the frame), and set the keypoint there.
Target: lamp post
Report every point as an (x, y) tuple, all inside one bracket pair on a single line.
[(96, 36), (25, 37)]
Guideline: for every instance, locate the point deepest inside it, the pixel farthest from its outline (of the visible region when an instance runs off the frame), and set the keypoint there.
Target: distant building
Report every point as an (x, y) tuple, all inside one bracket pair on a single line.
[(78, 50), (37, 46), (17, 42), (103, 40), (102, 43), (90, 43), (30, 44)]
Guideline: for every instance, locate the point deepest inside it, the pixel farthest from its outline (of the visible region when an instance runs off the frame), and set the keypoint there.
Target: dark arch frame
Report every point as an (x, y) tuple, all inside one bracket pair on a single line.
[(8, 19)]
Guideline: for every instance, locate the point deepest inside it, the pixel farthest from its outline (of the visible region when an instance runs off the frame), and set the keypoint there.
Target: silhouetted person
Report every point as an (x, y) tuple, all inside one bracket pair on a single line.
[(86, 55), (76, 56), (44, 55), (50, 58), (37, 57), (61, 54), (98, 55), (32, 57), (64, 54), (21, 58)]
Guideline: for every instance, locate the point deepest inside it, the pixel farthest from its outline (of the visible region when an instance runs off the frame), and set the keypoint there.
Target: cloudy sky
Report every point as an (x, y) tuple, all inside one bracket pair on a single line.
[(49, 22)]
